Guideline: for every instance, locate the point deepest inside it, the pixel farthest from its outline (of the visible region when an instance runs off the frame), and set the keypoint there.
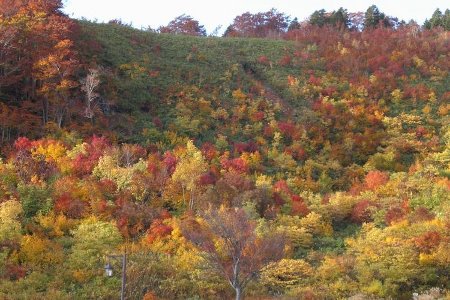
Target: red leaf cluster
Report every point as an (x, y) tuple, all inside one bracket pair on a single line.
[(375, 179), (158, 230), (427, 241)]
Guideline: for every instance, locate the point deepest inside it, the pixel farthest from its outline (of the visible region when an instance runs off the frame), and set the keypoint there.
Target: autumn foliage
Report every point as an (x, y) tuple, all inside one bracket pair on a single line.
[(298, 160)]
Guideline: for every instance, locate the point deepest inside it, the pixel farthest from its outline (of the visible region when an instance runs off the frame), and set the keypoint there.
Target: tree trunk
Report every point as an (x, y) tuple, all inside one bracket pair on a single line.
[(184, 197), (238, 293), (45, 111), (60, 114), (59, 119), (191, 200)]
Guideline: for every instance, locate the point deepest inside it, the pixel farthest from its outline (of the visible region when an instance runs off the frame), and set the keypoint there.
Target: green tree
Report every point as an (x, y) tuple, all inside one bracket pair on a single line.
[(294, 24), (92, 240), (318, 18), (35, 199), (438, 19), (373, 17), (339, 18)]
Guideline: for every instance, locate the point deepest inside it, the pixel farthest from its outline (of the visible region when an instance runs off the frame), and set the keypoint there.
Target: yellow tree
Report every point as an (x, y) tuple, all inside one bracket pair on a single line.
[(56, 74), (10, 226), (286, 274), (191, 165), (393, 260), (40, 253), (442, 159)]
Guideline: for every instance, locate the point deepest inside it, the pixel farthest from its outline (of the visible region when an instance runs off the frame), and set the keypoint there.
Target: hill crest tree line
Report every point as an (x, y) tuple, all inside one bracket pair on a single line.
[(274, 23)]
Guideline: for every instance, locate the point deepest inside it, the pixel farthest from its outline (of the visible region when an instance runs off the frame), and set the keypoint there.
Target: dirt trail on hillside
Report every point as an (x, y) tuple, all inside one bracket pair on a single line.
[(270, 94)]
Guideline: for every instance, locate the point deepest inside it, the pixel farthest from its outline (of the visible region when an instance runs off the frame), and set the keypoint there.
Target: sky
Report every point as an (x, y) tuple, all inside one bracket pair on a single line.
[(210, 13)]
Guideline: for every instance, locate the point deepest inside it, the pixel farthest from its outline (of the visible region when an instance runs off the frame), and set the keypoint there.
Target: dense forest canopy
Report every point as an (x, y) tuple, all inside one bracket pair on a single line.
[(287, 159)]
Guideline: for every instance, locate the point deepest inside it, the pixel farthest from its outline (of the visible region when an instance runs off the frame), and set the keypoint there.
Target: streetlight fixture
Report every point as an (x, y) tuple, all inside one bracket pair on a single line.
[(109, 271)]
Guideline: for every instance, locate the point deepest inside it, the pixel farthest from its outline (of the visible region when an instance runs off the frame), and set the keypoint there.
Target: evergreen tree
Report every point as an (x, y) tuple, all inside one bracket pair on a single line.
[(294, 24), (340, 18), (438, 20), (373, 17), (318, 18)]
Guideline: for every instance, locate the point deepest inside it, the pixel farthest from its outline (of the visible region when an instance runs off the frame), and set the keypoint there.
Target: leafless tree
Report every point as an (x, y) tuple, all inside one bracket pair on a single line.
[(231, 246), (89, 85), (7, 64)]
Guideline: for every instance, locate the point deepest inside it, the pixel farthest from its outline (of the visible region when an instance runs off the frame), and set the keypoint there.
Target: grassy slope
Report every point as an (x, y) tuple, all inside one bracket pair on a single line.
[(182, 61), (148, 71)]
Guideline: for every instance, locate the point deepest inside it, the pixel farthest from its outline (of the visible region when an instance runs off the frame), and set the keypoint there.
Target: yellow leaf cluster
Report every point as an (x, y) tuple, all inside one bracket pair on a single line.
[(263, 181), (40, 252), (444, 109), (286, 273), (53, 151), (315, 224), (108, 168), (239, 95), (253, 160), (56, 225), (10, 226), (190, 166), (396, 95), (418, 61)]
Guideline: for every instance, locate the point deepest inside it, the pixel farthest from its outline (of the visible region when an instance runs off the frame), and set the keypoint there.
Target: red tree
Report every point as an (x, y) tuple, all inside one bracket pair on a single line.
[(184, 25)]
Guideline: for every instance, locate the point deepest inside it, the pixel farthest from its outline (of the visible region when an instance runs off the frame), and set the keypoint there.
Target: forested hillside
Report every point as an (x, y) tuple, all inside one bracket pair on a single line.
[(302, 161)]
